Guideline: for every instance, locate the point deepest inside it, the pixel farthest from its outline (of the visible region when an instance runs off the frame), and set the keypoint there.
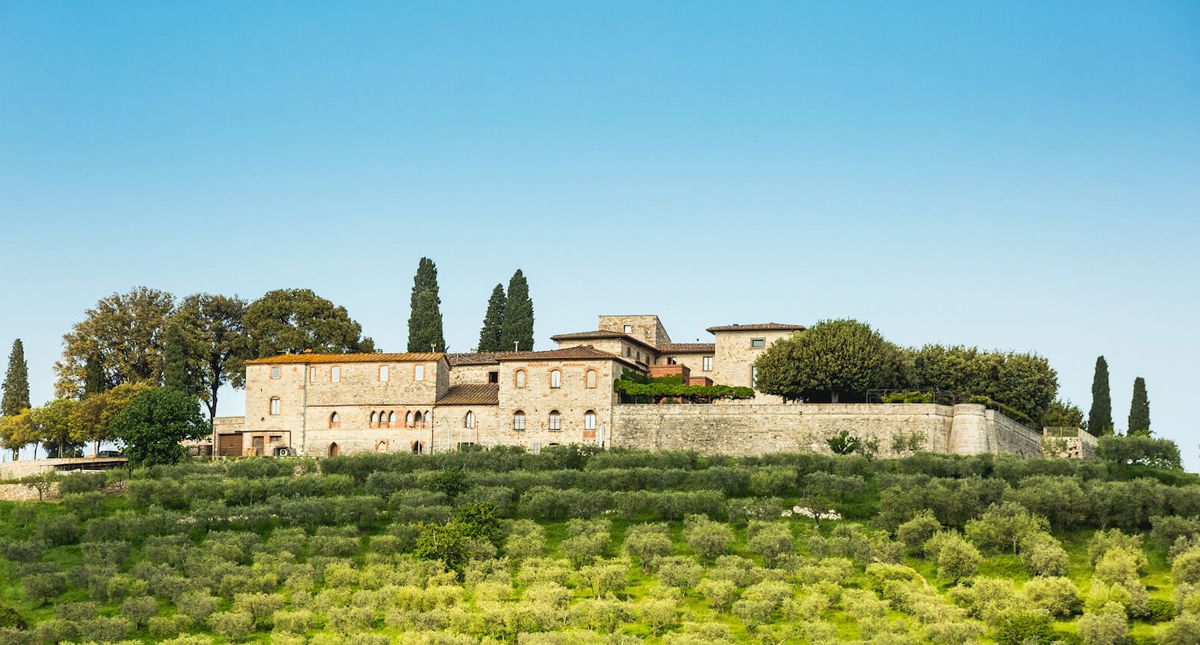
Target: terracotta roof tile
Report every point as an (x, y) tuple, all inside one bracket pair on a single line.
[(582, 352), (600, 333), (687, 348), (474, 358), (409, 357), (757, 327), (471, 394)]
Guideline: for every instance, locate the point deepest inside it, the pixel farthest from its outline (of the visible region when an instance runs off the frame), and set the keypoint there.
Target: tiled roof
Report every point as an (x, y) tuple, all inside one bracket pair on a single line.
[(757, 327), (471, 394), (583, 352), (474, 358), (600, 333), (409, 357), (687, 348)]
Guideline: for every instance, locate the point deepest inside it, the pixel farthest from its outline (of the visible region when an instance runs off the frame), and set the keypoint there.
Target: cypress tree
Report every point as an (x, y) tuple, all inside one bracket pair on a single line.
[(425, 317), (1100, 420), (16, 382), (1139, 409), (175, 367), (517, 327), (93, 372), (490, 337)]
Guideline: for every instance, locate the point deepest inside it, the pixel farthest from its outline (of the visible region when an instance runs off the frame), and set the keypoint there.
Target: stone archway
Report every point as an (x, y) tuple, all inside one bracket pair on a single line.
[(334, 450)]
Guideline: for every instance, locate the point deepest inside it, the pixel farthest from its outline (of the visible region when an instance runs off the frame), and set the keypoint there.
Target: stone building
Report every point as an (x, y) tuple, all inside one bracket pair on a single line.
[(331, 404)]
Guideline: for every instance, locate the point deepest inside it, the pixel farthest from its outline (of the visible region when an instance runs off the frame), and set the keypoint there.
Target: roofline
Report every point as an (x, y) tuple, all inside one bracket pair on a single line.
[(755, 327), (350, 357), (708, 349), (612, 335), (606, 357)]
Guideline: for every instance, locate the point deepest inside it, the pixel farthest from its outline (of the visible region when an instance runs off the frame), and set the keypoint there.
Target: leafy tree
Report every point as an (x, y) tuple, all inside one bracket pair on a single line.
[(16, 382), (708, 539), (293, 320), (830, 359), (95, 381), (1140, 450), (1100, 415), (95, 412), (214, 329), (1139, 409), (448, 543), (843, 443), (1109, 626), (125, 330), (57, 425), (425, 314), (154, 422), (1063, 414), (16, 432), (517, 324), (42, 482), (917, 531), (491, 336), (1024, 382), (175, 370), (956, 558)]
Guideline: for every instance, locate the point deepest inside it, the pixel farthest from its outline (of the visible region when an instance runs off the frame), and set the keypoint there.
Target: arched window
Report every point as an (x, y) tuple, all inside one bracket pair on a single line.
[(418, 419), (555, 420), (555, 378), (469, 420), (335, 421), (590, 379), (391, 418), (518, 420), (589, 420), (519, 378), (408, 419), (374, 421), (417, 447), (334, 450), (274, 406)]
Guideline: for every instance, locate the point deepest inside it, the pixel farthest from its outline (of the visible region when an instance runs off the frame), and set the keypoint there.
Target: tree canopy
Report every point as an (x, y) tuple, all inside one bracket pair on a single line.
[(1024, 382), (293, 320), (831, 359), (1100, 421), (176, 373), (124, 332), (95, 412), (491, 336), (213, 326), (517, 326), (154, 422), (425, 313), (16, 382)]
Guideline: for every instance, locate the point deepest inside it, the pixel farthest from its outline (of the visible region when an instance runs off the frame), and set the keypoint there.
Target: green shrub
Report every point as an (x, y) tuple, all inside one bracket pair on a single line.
[(1024, 628), (9, 617), (234, 625), (1056, 595), (707, 539)]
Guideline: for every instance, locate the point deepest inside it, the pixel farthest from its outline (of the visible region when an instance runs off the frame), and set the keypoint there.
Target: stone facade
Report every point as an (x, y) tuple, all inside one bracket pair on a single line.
[(330, 404)]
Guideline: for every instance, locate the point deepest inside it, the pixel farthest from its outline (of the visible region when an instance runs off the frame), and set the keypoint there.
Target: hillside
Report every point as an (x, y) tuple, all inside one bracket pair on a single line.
[(576, 546)]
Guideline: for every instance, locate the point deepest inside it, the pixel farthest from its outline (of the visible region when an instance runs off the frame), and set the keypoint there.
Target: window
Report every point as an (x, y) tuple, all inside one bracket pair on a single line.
[(469, 420), (670, 361), (335, 421), (518, 420), (628, 352), (391, 418), (555, 378), (418, 419), (707, 363), (419, 373), (408, 419), (589, 420), (639, 356), (589, 378), (555, 420), (276, 373), (384, 373), (312, 375), (493, 377), (753, 376), (628, 329), (335, 374), (274, 405), (758, 342), (374, 419), (519, 378)]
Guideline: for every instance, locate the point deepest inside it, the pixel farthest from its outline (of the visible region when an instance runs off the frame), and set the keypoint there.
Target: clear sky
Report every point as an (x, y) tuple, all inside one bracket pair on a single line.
[(1014, 175)]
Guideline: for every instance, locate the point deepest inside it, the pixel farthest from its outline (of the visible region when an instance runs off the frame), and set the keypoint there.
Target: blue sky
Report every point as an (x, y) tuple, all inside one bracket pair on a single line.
[(1013, 175)]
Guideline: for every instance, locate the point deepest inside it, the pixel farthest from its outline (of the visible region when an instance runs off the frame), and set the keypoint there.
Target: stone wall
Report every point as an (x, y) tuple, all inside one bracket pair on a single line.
[(756, 429)]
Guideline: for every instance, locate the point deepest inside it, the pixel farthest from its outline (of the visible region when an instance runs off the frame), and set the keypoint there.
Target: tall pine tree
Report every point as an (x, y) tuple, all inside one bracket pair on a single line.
[(1139, 409), (517, 327), (175, 361), (425, 317), (16, 382), (491, 336), (1100, 420)]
